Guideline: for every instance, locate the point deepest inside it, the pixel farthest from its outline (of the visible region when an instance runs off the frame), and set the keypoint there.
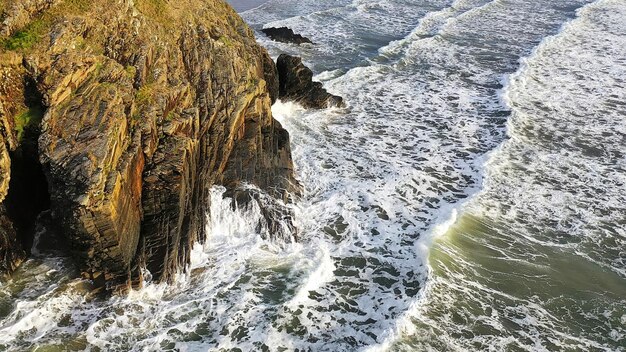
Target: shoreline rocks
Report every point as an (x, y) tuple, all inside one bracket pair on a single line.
[(296, 84), (285, 35)]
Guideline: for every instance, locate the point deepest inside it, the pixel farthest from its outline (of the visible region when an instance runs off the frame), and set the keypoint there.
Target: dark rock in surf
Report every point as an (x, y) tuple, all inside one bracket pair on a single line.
[(285, 35), (296, 84)]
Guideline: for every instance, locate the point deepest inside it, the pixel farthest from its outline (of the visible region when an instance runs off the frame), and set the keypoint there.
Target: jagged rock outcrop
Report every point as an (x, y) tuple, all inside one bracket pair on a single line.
[(147, 105), (296, 84), (285, 35)]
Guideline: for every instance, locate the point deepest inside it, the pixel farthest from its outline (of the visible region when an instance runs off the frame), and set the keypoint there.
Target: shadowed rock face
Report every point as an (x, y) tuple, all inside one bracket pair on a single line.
[(285, 35), (296, 84), (147, 106), (12, 95), (11, 252)]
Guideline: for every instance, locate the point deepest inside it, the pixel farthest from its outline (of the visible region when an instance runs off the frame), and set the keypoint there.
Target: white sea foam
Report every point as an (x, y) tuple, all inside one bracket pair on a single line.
[(383, 180), (535, 185), (571, 162), (365, 25), (383, 118)]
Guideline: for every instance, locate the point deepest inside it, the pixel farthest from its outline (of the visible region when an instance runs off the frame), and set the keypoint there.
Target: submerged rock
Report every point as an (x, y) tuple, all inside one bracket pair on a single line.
[(285, 35), (146, 106), (296, 84)]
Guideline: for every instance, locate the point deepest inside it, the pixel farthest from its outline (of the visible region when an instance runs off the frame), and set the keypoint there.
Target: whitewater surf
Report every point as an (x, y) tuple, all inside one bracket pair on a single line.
[(471, 196)]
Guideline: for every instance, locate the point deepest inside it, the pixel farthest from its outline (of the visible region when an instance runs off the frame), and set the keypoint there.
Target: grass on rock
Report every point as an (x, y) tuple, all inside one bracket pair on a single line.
[(27, 119)]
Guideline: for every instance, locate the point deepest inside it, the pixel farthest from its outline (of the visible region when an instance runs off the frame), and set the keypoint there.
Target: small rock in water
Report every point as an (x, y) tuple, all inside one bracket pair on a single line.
[(296, 84), (285, 35)]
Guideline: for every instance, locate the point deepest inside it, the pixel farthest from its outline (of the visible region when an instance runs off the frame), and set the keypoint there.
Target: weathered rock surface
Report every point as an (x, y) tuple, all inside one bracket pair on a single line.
[(285, 35), (148, 104), (296, 84), (11, 252), (18, 14)]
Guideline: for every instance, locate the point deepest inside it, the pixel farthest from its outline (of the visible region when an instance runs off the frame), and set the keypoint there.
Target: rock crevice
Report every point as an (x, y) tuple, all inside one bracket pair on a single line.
[(28, 193)]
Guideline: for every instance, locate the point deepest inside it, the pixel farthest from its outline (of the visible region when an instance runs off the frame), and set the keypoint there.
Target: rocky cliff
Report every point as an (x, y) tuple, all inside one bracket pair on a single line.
[(119, 116)]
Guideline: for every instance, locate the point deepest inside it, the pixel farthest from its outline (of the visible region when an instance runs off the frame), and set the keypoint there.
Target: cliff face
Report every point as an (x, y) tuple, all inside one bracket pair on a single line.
[(144, 106)]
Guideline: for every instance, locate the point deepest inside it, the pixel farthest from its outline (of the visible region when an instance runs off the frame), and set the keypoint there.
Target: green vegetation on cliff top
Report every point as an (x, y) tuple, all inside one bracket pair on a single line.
[(32, 34), (27, 37)]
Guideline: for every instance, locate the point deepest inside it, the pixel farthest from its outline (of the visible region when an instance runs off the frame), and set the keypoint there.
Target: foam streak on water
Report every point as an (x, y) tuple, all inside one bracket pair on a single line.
[(413, 232), (546, 265)]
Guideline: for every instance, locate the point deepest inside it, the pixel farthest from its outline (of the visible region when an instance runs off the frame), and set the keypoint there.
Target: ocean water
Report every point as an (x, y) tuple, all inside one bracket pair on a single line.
[(472, 196)]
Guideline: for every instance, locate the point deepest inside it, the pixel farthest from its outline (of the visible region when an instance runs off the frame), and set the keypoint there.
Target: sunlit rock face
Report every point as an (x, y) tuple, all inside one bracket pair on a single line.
[(144, 106)]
